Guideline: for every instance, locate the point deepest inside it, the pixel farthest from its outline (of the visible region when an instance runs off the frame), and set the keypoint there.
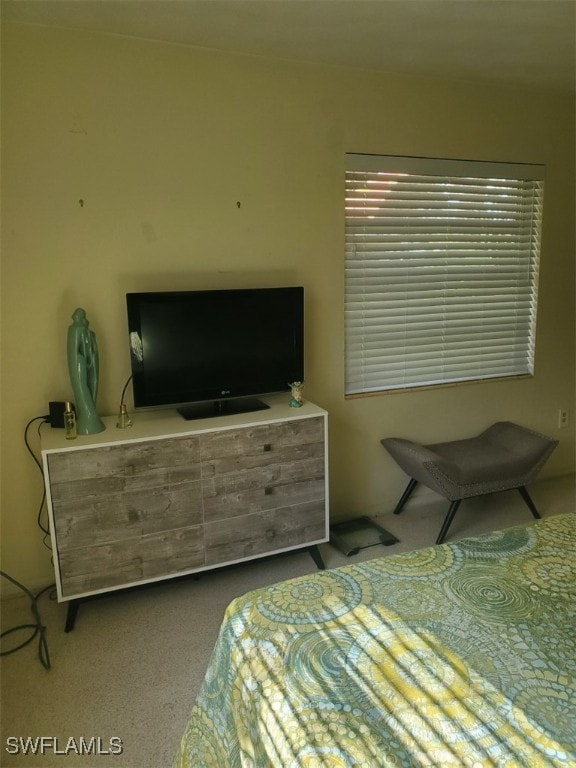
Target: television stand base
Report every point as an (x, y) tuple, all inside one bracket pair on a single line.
[(221, 408)]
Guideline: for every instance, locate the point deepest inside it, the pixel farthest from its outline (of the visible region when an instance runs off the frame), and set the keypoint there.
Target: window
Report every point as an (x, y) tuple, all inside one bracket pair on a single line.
[(441, 271)]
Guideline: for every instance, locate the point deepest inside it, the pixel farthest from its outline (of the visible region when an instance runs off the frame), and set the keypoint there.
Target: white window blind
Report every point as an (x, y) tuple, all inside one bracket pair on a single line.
[(441, 270)]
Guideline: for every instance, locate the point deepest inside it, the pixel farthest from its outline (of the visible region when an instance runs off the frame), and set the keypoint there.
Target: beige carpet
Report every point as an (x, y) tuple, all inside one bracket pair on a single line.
[(134, 662)]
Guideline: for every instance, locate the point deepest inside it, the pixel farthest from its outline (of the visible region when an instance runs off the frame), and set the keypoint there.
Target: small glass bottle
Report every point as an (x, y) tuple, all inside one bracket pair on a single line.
[(69, 422)]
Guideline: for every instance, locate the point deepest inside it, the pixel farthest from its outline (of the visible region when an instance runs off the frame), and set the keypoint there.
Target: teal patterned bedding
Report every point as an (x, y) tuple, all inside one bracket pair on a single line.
[(457, 655)]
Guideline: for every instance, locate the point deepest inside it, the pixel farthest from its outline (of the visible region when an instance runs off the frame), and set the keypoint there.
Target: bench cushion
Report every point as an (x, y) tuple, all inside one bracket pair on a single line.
[(504, 456)]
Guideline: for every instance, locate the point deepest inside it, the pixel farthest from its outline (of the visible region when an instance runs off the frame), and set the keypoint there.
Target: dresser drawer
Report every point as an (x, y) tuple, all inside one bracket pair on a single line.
[(251, 443), (87, 569), (123, 467), (109, 517), (267, 487), (261, 532)]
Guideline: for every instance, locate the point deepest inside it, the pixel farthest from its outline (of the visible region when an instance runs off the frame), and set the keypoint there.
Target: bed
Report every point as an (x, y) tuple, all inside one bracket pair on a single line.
[(462, 654)]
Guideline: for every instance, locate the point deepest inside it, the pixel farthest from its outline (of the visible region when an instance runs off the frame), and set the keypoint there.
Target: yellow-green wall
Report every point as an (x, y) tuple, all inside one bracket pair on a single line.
[(160, 142)]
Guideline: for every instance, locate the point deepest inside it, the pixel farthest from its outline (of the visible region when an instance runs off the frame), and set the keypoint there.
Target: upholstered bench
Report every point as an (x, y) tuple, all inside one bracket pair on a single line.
[(503, 457)]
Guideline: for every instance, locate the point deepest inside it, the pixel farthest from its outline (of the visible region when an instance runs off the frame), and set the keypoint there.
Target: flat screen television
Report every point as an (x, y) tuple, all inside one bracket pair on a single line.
[(213, 352)]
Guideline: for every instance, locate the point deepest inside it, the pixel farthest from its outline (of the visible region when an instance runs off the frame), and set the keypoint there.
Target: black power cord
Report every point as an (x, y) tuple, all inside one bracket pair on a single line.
[(43, 527), (44, 420), (37, 628)]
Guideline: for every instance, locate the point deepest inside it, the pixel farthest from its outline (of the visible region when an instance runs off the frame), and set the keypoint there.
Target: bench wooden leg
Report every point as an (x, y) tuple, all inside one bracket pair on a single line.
[(405, 496), (448, 520), (530, 504)]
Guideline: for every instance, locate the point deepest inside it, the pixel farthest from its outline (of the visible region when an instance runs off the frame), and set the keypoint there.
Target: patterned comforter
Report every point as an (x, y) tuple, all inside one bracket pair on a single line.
[(457, 655)]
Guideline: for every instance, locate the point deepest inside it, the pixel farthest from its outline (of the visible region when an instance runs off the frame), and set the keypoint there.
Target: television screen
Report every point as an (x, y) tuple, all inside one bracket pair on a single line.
[(213, 347)]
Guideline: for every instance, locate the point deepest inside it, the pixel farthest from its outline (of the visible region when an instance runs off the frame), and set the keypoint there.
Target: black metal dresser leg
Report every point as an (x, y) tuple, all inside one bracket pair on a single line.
[(73, 606)]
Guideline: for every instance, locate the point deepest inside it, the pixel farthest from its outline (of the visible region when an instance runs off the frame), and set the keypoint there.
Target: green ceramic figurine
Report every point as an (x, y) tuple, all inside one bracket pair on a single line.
[(83, 367), (297, 396)]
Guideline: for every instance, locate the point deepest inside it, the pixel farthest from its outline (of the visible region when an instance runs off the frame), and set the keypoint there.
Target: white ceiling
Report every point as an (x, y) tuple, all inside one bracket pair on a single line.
[(513, 42)]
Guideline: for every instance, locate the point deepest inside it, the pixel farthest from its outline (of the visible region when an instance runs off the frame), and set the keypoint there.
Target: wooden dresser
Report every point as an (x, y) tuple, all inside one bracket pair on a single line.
[(169, 497)]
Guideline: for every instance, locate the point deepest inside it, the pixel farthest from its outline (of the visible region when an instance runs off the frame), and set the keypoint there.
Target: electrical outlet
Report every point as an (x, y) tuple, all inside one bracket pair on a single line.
[(562, 418)]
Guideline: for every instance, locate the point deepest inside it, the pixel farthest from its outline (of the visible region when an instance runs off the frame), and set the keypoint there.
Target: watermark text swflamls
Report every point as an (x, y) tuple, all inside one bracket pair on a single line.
[(53, 745)]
